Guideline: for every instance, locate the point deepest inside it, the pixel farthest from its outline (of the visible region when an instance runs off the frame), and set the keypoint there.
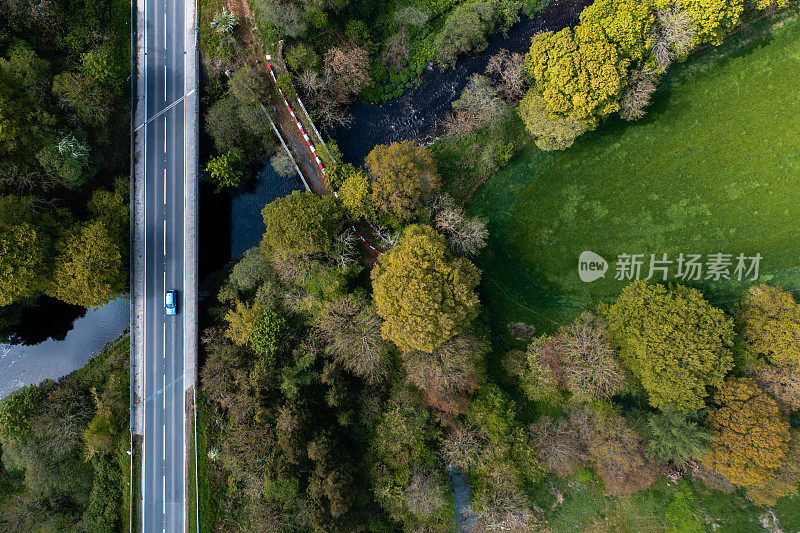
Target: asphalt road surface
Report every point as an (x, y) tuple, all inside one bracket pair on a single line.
[(164, 162)]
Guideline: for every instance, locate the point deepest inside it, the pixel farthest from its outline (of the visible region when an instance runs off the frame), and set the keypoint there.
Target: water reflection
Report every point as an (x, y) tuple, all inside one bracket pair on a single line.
[(22, 365)]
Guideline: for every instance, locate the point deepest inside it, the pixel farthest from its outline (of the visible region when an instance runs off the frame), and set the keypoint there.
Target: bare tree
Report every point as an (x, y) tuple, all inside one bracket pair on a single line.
[(462, 447), (557, 445), (396, 52), (636, 96), (344, 253), (283, 163), (353, 332), (478, 104), (672, 36), (591, 369), (521, 330), (465, 235), (509, 74), (424, 495)]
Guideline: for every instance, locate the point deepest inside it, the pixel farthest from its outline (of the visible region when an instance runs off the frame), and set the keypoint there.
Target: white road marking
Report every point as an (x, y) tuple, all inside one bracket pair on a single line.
[(165, 244), (164, 342), (165, 83), (165, 118), (165, 186), (165, 30), (164, 441)]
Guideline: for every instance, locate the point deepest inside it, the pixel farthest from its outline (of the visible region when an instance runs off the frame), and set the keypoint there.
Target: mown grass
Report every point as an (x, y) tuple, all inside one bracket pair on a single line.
[(714, 167)]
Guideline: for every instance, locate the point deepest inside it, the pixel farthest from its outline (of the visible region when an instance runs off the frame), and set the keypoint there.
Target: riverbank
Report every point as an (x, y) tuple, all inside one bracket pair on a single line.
[(22, 365), (418, 115)]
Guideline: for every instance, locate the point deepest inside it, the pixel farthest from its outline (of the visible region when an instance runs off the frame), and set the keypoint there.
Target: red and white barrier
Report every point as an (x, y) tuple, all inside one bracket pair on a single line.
[(316, 156)]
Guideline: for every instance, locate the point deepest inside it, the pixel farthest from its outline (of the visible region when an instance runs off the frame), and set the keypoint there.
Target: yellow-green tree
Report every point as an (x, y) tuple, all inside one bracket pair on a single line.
[(752, 435), (242, 320), (90, 271), (579, 74), (423, 293), (552, 132), (21, 263), (673, 341), (626, 23), (356, 196), (404, 177), (713, 19), (300, 224), (771, 324)]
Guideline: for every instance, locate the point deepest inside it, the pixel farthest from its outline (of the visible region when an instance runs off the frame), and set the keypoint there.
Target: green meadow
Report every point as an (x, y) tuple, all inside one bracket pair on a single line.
[(713, 168)]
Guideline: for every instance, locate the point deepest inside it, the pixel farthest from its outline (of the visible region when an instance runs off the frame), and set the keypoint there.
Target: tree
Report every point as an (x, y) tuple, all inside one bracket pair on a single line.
[(356, 196), (557, 445), (283, 164), (751, 434), (509, 74), (465, 235), (106, 65), (626, 23), (353, 331), (713, 19), (449, 375), (577, 73), (346, 72), (478, 104), (249, 86), (673, 341), (242, 320), (286, 17), (302, 57), (781, 382), (396, 52), (237, 125), (90, 271), (22, 263), (783, 481), (468, 26), (226, 169), (675, 436), (673, 36), (267, 333), (551, 132), (425, 295), (404, 177), (15, 412), (770, 320), (300, 224)]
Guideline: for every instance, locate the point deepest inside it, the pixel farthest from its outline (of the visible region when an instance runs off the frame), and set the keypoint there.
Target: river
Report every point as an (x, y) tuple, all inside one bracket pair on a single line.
[(22, 365), (418, 114)]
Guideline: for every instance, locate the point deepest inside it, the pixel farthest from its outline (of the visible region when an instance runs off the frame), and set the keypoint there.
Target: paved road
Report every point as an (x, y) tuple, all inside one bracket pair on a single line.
[(164, 160)]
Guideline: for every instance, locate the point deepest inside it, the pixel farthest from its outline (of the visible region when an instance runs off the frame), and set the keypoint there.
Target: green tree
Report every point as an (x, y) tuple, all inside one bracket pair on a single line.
[(88, 100), (469, 26), (226, 170), (106, 65), (577, 73), (675, 436), (268, 333), (404, 177), (22, 263), (356, 196), (90, 271), (424, 294), (673, 341), (771, 324), (300, 224), (15, 412), (751, 434)]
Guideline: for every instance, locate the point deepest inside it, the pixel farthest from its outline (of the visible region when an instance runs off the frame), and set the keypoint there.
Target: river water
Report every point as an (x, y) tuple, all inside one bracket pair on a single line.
[(418, 114), (22, 365)]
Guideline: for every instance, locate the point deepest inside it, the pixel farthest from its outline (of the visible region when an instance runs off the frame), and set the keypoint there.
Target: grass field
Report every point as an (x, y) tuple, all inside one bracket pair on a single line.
[(714, 167)]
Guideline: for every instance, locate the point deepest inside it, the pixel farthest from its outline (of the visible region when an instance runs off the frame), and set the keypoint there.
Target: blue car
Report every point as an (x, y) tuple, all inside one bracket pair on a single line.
[(171, 302)]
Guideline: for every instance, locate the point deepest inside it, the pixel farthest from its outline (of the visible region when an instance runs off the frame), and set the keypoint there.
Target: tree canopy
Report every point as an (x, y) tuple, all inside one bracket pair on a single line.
[(404, 177), (751, 434), (301, 223), (673, 341), (423, 293), (771, 324)]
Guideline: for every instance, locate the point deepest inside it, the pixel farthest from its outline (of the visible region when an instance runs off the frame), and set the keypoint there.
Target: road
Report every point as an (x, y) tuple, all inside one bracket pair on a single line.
[(165, 249)]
